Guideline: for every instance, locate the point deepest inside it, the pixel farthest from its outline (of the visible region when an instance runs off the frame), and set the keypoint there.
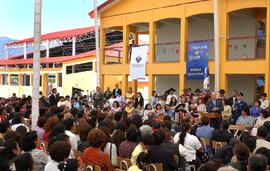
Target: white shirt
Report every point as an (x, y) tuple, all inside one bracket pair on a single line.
[(265, 104), (59, 104), (112, 152), (262, 143), (51, 166), (68, 104), (111, 100), (201, 108), (169, 97), (14, 127), (191, 144), (73, 139)]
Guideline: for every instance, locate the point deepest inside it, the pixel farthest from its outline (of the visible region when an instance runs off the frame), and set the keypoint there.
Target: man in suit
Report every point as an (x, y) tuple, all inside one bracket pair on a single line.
[(54, 97), (233, 99), (238, 107), (160, 154), (214, 106), (98, 98), (116, 90)]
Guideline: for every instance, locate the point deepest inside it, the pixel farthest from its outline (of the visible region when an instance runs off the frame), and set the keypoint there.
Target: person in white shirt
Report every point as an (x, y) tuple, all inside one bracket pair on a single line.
[(18, 120), (61, 102), (111, 100), (261, 135), (264, 101), (68, 101), (169, 97), (59, 152), (190, 142), (73, 139)]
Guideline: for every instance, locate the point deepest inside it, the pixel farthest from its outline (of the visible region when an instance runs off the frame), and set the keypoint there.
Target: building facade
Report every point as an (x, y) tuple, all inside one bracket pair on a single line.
[(244, 42)]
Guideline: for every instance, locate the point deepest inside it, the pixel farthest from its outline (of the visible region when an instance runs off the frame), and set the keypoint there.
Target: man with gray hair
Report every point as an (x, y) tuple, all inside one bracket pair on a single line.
[(146, 130), (214, 106), (257, 162)]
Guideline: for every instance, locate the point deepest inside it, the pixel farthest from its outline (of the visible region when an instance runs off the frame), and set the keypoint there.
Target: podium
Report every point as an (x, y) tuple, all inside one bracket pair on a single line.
[(211, 115)]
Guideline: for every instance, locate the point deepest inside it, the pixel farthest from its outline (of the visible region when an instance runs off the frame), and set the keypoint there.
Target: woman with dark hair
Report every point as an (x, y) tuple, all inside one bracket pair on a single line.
[(139, 100), (18, 120), (115, 107), (30, 144), (173, 103), (84, 129), (260, 121), (245, 119), (3, 114), (241, 151), (147, 110), (191, 144), (7, 154), (59, 152), (109, 147), (24, 162), (256, 109), (127, 147), (58, 129), (153, 99), (69, 165), (118, 137), (212, 165), (129, 108), (158, 110), (94, 155), (4, 127), (143, 160), (50, 124)]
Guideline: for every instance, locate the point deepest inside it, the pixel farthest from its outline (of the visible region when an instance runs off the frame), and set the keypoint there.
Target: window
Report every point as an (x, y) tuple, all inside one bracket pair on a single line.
[(25, 80), (14, 79), (60, 79), (4, 79), (69, 69), (79, 68)]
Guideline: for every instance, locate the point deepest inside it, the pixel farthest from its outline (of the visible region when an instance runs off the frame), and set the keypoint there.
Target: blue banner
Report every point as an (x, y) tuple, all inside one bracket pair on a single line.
[(197, 62)]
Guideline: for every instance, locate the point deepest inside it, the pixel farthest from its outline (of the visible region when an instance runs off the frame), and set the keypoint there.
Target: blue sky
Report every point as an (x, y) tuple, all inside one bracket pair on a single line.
[(17, 16)]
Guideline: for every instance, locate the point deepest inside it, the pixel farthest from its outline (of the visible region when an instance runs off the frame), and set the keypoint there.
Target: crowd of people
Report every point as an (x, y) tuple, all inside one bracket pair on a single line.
[(106, 125)]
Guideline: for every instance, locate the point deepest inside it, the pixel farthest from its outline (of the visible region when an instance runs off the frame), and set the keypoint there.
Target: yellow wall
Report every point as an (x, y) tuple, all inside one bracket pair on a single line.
[(128, 12)]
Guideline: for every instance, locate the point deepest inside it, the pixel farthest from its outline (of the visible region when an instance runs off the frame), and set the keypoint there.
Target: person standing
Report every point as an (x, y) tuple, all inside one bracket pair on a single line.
[(233, 99), (107, 94), (98, 98), (116, 90), (54, 97), (221, 94), (214, 106), (238, 107), (169, 97)]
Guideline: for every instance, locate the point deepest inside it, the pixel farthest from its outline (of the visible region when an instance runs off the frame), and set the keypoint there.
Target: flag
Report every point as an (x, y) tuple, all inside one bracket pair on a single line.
[(206, 86)]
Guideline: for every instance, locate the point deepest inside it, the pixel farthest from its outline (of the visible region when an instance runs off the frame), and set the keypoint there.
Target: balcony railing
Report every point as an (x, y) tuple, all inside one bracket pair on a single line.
[(243, 48), (114, 55), (167, 52)]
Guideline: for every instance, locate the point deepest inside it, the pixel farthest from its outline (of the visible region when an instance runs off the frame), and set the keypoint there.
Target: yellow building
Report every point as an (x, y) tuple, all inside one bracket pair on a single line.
[(244, 41)]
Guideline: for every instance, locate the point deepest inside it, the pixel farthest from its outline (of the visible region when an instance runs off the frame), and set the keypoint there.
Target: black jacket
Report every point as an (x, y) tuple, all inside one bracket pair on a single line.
[(140, 102), (118, 91), (175, 150), (221, 135), (54, 99), (225, 154), (160, 154)]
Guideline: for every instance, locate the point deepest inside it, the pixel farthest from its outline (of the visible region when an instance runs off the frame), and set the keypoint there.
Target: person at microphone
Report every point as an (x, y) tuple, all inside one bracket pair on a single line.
[(214, 106)]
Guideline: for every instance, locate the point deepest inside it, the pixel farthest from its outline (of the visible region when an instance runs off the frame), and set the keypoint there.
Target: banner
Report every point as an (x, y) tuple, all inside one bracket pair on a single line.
[(197, 63), (138, 62)]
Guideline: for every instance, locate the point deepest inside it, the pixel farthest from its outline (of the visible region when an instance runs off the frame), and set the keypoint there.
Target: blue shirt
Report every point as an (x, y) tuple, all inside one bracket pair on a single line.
[(255, 112), (248, 120), (171, 113), (205, 132)]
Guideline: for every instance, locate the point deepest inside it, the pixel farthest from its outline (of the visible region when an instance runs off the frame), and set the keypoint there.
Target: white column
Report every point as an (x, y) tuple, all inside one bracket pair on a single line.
[(74, 46), (24, 51), (216, 33), (47, 48)]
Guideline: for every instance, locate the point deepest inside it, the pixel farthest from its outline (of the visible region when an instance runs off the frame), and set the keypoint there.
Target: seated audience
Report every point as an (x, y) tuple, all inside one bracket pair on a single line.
[(261, 135), (222, 134), (241, 152), (257, 162), (93, 154), (260, 121), (127, 147), (24, 162), (245, 119)]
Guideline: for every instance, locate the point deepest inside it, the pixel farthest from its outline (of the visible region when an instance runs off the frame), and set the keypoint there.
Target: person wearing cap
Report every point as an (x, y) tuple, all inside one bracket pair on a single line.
[(221, 94), (264, 101), (169, 97), (214, 106), (238, 107), (196, 96)]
